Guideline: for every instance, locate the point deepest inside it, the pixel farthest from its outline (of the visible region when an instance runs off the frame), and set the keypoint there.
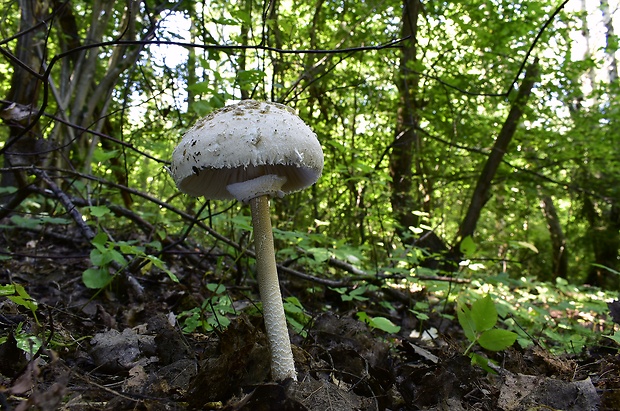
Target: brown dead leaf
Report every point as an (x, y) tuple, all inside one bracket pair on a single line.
[(137, 378), (25, 382)]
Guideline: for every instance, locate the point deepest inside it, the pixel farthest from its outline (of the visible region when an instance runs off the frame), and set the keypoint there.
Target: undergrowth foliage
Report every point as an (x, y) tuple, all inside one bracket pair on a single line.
[(479, 325), (493, 310), (89, 122)]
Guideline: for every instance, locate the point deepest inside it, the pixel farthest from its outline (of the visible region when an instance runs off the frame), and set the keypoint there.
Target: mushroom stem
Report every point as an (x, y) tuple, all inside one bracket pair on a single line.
[(282, 364)]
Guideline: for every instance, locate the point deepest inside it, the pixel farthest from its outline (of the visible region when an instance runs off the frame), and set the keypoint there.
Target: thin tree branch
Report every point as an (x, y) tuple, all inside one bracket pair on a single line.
[(64, 199)]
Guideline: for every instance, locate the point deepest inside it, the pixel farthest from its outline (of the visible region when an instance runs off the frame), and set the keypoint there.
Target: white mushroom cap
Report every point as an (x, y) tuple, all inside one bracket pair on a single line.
[(244, 141)]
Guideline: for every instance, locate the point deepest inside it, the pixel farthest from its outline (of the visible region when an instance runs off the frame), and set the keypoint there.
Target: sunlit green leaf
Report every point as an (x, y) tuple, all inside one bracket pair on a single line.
[(319, 254), (484, 314), (99, 211), (467, 322), (7, 289), (497, 339), (611, 270), (468, 247), (385, 324), (527, 245)]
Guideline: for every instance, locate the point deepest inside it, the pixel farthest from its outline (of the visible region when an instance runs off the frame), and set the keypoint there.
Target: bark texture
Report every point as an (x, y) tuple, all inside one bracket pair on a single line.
[(406, 145)]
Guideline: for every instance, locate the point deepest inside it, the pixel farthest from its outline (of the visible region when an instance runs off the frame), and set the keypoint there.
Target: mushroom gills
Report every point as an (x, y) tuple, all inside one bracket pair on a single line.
[(270, 185)]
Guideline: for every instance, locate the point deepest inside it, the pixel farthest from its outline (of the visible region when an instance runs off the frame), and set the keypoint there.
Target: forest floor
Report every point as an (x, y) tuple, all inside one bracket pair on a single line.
[(121, 348)]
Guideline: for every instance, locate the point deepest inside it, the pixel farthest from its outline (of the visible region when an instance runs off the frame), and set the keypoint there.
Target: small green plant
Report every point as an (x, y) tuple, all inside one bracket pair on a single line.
[(106, 254), (421, 310), (26, 342), (18, 294), (355, 294), (560, 316), (296, 315), (615, 337), (352, 295), (381, 323), (211, 314), (478, 324)]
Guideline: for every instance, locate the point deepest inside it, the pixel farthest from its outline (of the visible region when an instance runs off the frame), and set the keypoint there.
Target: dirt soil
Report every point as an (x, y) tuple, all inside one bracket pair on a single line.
[(122, 348)]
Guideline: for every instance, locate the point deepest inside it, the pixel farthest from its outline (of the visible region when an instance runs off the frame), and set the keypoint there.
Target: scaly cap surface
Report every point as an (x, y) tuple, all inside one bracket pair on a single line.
[(244, 141)]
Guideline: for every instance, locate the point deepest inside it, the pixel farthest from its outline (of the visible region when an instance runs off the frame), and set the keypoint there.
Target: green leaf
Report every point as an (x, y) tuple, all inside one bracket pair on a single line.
[(162, 266), (296, 325), (249, 77), (381, 323), (24, 222), (615, 337), (101, 156), (155, 245), (99, 211), (100, 239), (363, 317), (497, 339), (7, 289), (484, 314), (26, 342), (201, 108), (611, 270), (18, 294), (420, 315), (293, 305), (482, 362), (242, 222), (216, 288), (468, 247), (131, 249), (527, 245), (118, 257), (355, 294), (384, 324), (242, 16), (467, 322), (320, 254), (192, 321), (203, 87), (218, 321), (96, 278), (8, 190), (96, 257), (21, 291), (30, 304)]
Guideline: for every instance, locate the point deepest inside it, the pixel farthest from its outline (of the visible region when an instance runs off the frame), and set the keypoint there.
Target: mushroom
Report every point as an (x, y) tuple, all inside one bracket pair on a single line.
[(251, 151)]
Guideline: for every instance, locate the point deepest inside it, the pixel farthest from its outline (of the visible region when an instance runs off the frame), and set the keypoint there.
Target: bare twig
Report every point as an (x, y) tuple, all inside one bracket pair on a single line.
[(64, 199)]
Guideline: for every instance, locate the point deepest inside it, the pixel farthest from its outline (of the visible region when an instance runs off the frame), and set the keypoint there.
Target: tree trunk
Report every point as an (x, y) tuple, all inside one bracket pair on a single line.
[(558, 241), (610, 46), (406, 143), (483, 188), (21, 149), (604, 234), (274, 38)]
